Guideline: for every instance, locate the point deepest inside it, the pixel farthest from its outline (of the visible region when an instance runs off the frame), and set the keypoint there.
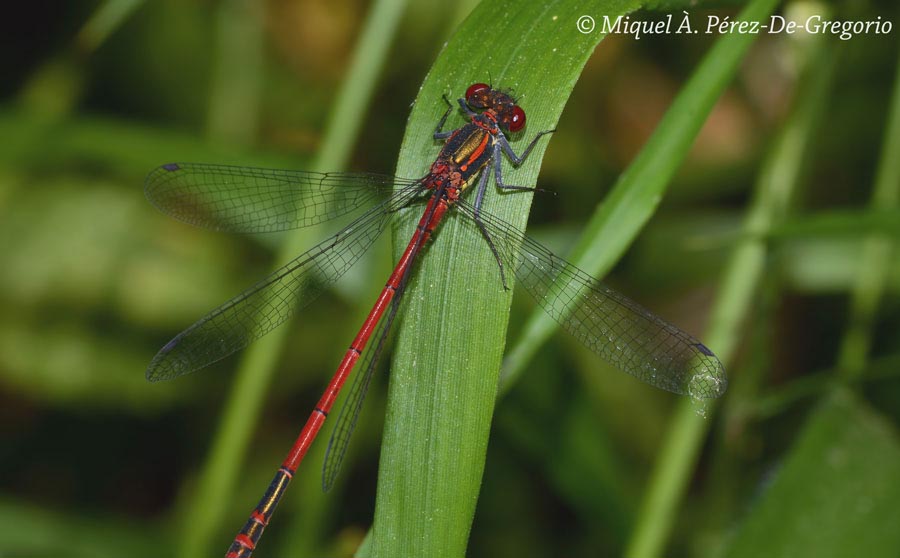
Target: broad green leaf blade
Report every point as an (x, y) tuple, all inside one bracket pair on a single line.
[(445, 371), (836, 493)]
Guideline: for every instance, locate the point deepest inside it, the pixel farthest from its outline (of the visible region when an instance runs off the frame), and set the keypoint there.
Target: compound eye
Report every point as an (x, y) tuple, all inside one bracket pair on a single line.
[(517, 121), (476, 88)]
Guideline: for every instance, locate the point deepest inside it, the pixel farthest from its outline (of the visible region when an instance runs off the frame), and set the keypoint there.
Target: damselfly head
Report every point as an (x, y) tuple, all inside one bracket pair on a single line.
[(510, 116)]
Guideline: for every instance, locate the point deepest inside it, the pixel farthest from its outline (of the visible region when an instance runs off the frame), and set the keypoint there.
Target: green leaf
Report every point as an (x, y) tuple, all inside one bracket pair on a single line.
[(836, 493), (451, 342)]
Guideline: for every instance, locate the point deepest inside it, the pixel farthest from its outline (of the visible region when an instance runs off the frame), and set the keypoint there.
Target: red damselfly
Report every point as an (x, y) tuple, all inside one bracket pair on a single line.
[(241, 199)]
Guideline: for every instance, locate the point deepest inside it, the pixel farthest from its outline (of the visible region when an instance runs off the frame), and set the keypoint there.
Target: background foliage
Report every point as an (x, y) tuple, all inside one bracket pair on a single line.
[(773, 241)]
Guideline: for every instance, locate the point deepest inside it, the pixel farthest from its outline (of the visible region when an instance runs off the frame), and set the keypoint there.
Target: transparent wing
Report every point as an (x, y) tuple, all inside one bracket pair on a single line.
[(352, 406), (253, 200), (620, 331), (264, 306)]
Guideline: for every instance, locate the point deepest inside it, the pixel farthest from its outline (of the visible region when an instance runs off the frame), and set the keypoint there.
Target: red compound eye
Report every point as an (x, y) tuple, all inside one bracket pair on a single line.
[(476, 88), (517, 122)]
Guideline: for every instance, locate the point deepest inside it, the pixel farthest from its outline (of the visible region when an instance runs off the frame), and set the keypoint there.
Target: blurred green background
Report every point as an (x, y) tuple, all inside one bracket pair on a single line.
[(797, 169)]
